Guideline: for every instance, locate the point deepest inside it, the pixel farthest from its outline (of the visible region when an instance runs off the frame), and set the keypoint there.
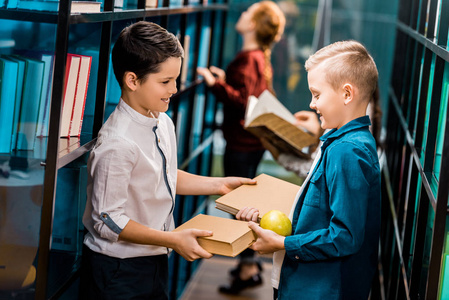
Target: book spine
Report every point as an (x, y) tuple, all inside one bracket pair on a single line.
[(42, 124), (18, 99), (30, 104), (84, 97), (8, 81), (71, 79), (80, 96)]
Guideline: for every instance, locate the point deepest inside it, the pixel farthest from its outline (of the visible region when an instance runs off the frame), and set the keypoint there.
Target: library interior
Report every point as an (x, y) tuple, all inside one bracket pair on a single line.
[(58, 88)]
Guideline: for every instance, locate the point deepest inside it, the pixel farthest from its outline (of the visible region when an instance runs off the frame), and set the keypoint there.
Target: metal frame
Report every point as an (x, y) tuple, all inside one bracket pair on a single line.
[(405, 134)]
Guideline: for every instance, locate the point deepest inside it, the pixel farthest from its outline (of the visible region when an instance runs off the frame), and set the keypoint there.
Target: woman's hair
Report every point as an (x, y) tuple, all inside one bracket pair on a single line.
[(141, 48), (269, 23)]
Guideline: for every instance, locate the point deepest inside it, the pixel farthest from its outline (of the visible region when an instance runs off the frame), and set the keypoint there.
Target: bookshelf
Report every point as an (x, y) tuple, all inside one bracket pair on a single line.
[(56, 168), (414, 239)]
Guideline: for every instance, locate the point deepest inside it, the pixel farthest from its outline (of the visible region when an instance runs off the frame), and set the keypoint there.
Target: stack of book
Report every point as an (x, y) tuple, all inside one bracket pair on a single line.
[(230, 237), (53, 5), (25, 93)]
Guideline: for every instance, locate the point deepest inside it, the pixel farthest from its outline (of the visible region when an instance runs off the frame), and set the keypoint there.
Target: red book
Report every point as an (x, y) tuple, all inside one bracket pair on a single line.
[(71, 80), (80, 96)]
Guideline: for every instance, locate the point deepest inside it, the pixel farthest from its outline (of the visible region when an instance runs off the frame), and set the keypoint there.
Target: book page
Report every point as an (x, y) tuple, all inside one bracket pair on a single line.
[(267, 103), (283, 135)]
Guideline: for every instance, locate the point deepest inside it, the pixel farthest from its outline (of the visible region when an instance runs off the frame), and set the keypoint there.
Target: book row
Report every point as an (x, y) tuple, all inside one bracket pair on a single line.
[(25, 93), (84, 6)]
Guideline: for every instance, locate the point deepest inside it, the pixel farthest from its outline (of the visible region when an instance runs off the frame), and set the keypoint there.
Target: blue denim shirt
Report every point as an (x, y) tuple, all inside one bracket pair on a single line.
[(332, 253)]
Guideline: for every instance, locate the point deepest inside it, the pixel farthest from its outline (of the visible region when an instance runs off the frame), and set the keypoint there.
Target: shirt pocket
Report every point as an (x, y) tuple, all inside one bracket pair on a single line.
[(316, 187)]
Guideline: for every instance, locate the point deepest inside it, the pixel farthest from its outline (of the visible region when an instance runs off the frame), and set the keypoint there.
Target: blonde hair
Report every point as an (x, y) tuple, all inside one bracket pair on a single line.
[(269, 25), (347, 61)]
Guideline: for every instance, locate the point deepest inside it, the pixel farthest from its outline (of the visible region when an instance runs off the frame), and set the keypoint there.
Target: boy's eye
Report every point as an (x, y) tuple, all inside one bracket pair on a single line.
[(165, 82)]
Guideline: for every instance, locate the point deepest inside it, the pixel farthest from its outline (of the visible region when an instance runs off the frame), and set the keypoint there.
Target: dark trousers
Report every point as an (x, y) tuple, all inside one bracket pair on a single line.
[(242, 164), (105, 277)]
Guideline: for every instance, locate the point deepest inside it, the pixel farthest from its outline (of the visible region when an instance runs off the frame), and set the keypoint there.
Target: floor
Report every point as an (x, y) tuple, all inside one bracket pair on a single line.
[(215, 272)]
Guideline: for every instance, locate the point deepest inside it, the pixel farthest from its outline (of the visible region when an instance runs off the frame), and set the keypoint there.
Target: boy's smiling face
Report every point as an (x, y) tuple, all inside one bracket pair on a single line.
[(153, 94), (326, 101)]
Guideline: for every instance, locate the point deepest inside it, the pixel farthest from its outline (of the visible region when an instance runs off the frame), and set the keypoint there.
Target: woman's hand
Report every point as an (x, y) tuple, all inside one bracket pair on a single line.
[(208, 77), (219, 73), (309, 120)]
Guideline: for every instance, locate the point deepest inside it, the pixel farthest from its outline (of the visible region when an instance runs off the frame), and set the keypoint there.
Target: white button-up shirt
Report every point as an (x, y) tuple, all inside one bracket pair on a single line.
[(132, 175)]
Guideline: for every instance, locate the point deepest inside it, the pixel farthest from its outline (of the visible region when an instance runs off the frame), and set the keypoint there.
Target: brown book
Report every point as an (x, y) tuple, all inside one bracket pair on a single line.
[(267, 118), (269, 193), (230, 237)]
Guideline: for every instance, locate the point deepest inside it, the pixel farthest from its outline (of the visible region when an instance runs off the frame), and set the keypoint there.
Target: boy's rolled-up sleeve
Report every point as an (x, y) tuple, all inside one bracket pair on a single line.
[(348, 175), (110, 169)]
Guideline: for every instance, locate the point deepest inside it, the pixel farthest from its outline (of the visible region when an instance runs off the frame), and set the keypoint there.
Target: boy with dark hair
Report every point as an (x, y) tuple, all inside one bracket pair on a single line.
[(133, 176), (332, 253)]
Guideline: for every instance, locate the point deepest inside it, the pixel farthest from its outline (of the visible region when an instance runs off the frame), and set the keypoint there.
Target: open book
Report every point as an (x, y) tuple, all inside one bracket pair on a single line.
[(267, 118), (269, 193), (230, 237)]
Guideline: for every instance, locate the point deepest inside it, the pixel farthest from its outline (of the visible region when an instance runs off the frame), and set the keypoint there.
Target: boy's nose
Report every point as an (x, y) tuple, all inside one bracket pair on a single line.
[(312, 105), (173, 89)]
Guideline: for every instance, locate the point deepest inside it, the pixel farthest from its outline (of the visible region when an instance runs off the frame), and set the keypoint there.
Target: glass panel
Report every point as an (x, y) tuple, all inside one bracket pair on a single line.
[(427, 112), (426, 251), (441, 123)]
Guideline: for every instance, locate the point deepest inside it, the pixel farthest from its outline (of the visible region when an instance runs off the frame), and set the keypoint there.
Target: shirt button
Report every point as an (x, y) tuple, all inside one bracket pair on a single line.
[(158, 140)]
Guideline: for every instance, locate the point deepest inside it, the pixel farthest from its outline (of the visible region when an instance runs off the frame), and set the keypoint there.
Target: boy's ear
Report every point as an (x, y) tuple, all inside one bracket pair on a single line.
[(348, 93), (130, 80)]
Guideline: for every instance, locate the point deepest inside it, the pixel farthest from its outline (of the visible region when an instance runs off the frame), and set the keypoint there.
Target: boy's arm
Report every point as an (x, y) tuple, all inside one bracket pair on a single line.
[(348, 203), (184, 242), (191, 184)]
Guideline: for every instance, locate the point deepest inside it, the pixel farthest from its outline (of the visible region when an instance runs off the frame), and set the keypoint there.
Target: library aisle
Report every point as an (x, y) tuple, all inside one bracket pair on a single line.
[(215, 272)]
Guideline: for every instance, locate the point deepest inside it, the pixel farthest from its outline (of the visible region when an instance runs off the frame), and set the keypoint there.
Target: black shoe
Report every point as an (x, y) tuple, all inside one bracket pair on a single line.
[(234, 273), (239, 285)]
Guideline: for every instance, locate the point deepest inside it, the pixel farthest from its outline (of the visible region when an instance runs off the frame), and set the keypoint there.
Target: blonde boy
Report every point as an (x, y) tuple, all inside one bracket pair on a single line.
[(332, 253)]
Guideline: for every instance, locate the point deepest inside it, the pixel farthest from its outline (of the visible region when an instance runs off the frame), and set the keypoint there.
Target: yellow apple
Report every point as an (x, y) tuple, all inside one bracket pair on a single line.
[(276, 221)]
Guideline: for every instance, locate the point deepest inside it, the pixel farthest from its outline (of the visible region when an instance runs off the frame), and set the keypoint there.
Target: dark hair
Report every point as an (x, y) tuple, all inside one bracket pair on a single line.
[(141, 48)]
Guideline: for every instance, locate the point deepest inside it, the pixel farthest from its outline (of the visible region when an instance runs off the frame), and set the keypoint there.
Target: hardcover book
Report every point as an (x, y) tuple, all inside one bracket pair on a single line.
[(230, 237), (8, 84), (80, 96), (18, 98), (267, 118), (31, 97), (52, 5), (269, 193), (71, 80)]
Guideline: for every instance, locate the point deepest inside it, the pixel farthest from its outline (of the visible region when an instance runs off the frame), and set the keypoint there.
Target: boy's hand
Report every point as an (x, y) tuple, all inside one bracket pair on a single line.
[(230, 183), (267, 241), (247, 214), (208, 76), (187, 246)]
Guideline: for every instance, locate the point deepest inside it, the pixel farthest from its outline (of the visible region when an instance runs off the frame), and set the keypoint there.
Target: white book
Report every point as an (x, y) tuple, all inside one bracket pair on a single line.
[(71, 79), (80, 96)]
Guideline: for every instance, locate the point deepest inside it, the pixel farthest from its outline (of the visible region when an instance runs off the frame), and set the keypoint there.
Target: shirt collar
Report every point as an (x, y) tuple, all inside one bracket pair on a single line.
[(352, 125), (138, 117)]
